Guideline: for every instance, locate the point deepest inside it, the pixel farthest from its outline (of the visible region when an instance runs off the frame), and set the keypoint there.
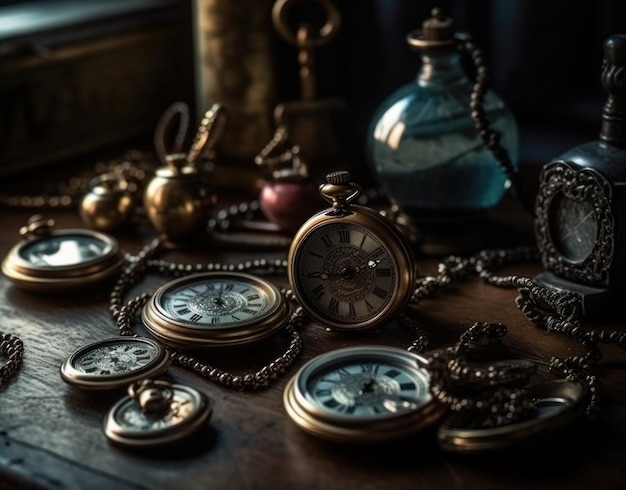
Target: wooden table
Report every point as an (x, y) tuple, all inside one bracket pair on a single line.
[(51, 433)]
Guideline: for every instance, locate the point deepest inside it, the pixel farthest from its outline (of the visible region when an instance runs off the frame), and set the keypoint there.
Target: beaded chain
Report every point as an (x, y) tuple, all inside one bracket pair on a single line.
[(13, 349), (556, 311), (125, 314), (133, 167)]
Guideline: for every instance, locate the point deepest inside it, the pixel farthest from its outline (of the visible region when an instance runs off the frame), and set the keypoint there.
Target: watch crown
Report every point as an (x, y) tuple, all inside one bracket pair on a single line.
[(37, 226), (338, 177), (338, 190)]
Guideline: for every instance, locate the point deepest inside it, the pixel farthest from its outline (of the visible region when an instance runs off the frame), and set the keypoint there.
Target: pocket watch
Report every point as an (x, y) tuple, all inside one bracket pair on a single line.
[(215, 309), (156, 413), (350, 267), (557, 403), (56, 261), (115, 363), (362, 394)]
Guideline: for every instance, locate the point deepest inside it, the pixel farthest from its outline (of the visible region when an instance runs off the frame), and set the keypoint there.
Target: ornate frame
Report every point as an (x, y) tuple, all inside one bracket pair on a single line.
[(578, 184)]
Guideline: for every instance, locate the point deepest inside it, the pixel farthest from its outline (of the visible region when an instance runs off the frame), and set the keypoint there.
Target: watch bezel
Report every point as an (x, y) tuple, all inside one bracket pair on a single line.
[(80, 379), (313, 419), (179, 333), (63, 278), (396, 243)]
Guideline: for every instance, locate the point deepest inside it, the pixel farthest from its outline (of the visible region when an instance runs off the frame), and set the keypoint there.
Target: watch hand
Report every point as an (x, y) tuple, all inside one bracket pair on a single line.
[(368, 387), (396, 403), (323, 275), (219, 301), (578, 225), (370, 264), (346, 272)]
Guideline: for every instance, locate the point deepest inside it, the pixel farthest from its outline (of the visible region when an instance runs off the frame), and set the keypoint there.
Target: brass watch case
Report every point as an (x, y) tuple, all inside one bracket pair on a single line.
[(182, 334), (315, 419), (59, 279), (73, 375), (398, 245), (559, 403), (118, 426)]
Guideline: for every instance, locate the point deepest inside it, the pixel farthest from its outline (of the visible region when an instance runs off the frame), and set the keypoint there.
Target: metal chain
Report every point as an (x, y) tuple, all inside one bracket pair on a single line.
[(490, 137), (556, 311), (134, 167), (124, 314), (13, 349)]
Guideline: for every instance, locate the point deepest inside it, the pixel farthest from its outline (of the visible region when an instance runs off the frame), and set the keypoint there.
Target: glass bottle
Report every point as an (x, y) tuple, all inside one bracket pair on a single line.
[(423, 145)]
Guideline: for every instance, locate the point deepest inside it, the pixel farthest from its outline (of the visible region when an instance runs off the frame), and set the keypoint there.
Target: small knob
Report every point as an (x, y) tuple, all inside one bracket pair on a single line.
[(338, 177), (437, 31), (37, 226), (438, 27), (338, 189), (153, 397)]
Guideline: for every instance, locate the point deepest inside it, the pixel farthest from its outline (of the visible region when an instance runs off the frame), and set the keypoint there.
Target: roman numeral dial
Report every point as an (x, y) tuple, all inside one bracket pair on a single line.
[(362, 393), (218, 302), (347, 273), (115, 363), (215, 309), (350, 267), (363, 388), (116, 358)]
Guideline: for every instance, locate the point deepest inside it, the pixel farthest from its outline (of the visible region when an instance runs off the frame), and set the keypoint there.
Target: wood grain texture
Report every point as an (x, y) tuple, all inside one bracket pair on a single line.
[(51, 434)]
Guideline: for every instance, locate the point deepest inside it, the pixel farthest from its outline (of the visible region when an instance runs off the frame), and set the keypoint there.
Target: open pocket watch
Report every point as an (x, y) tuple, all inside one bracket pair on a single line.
[(115, 363), (350, 267), (362, 394), (215, 309), (557, 403), (55, 261)]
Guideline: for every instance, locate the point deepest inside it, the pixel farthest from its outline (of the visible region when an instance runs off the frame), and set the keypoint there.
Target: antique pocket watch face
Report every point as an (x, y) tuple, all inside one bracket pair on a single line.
[(115, 363), (558, 403), (156, 413), (362, 394), (57, 261), (349, 267), (215, 309)]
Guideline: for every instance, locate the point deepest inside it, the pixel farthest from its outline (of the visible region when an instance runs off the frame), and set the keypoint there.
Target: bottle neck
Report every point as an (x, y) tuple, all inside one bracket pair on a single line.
[(613, 129), (441, 68)]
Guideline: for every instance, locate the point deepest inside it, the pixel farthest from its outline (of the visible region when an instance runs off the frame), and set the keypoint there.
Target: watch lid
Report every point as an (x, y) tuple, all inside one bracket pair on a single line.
[(558, 403)]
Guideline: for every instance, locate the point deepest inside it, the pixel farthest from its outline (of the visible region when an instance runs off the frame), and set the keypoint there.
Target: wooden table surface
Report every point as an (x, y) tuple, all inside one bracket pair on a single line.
[(51, 433)]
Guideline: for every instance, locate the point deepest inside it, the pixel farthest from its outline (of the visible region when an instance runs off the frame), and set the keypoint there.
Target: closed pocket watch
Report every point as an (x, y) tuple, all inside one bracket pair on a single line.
[(350, 267), (156, 413), (362, 394), (115, 363), (215, 309), (56, 261)]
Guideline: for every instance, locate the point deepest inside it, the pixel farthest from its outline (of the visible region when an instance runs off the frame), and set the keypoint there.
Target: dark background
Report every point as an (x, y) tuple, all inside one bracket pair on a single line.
[(544, 59)]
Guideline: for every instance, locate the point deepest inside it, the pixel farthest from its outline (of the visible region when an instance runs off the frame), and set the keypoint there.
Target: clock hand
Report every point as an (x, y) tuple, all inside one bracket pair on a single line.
[(219, 301), (370, 264), (346, 272), (580, 222), (323, 275), (396, 403)]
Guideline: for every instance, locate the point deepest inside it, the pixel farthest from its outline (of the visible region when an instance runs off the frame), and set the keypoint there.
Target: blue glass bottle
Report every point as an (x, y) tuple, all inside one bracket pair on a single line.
[(423, 145)]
